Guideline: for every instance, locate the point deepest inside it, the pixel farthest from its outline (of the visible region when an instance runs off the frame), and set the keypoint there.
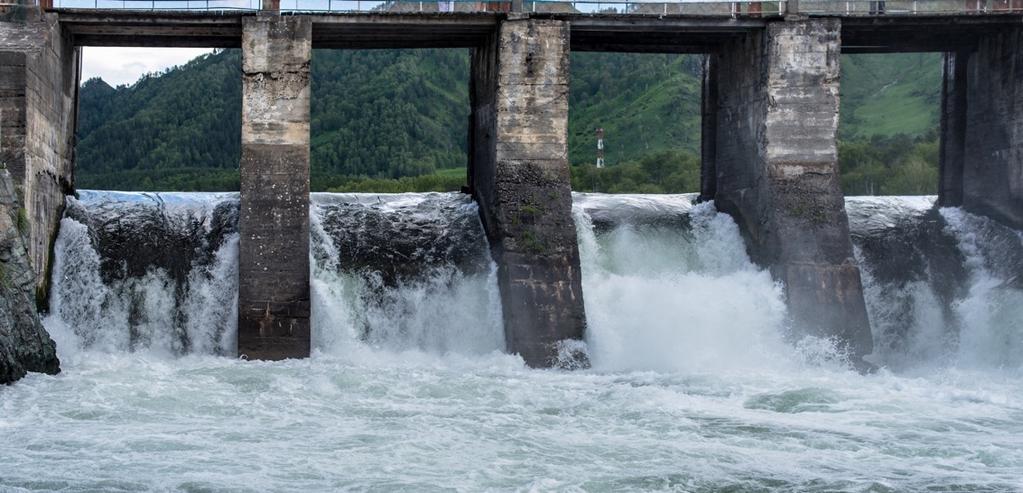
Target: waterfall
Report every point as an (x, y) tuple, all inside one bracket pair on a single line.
[(146, 271), (403, 272), (695, 384), (158, 272), (668, 286), (943, 286)]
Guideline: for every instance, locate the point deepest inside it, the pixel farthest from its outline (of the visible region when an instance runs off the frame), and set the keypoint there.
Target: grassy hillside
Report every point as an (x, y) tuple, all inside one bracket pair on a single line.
[(887, 95)]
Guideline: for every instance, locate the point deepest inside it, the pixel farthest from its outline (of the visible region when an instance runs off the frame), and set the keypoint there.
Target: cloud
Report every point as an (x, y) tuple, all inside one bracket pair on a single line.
[(125, 65)]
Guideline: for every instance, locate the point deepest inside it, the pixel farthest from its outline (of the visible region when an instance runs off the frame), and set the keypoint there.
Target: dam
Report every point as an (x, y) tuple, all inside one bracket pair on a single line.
[(770, 106), (764, 333)]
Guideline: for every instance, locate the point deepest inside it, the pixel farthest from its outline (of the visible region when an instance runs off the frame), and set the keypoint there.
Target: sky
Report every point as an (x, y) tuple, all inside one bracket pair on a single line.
[(125, 65)]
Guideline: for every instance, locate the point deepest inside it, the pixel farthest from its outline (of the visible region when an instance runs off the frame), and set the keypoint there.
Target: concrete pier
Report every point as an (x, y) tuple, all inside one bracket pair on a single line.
[(951, 153), (992, 174), (519, 175), (273, 270), (776, 166)]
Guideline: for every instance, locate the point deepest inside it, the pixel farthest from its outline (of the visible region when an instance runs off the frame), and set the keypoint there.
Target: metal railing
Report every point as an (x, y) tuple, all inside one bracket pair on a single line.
[(651, 7), (675, 7), (908, 7), (753, 8), (196, 5)]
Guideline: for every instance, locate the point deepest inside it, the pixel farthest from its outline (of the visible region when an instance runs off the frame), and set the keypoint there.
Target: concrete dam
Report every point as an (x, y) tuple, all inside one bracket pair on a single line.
[(764, 333), (771, 93)]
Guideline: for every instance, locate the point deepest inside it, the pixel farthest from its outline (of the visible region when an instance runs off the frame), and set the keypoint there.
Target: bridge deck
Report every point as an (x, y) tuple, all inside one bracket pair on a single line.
[(589, 32)]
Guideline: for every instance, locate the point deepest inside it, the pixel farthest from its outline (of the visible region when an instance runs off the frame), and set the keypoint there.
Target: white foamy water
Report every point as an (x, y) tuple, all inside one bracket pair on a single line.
[(442, 295), (957, 304), (668, 298), (692, 388), (992, 309), (155, 310)]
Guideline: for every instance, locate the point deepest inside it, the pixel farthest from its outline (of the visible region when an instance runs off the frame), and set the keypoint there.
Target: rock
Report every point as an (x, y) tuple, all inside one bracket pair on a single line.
[(24, 344)]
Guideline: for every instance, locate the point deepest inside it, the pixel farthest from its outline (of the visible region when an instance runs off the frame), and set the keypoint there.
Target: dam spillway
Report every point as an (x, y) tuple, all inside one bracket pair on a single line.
[(158, 272), (694, 383), (769, 150), (714, 348)]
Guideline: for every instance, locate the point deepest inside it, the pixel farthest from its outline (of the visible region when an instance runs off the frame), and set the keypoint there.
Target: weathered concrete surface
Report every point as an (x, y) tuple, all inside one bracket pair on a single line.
[(952, 150), (39, 71), (993, 157), (24, 344), (777, 172), (519, 175), (273, 271), (708, 129)]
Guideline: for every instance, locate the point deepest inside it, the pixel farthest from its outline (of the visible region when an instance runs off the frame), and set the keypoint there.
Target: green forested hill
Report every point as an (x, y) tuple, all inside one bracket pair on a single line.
[(378, 115), (175, 120)]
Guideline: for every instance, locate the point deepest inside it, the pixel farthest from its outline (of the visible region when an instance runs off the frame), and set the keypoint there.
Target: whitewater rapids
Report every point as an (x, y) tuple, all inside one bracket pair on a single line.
[(693, 385)]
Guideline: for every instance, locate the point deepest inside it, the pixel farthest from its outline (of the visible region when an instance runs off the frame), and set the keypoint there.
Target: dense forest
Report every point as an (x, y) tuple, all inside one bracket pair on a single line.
[(396, 120)]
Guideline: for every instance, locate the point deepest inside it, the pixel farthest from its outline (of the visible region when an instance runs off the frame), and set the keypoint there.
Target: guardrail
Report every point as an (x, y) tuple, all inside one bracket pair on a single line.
[(692, 7), (753, 8), (908, 7)]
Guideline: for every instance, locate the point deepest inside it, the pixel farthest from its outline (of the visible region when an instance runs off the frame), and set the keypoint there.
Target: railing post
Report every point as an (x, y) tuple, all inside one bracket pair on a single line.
[(270, 5)]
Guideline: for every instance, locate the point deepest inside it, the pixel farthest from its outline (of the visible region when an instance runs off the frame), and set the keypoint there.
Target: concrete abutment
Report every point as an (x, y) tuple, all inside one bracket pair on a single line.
[(519, 175), (273, 257), (39, 71), (773, 150)]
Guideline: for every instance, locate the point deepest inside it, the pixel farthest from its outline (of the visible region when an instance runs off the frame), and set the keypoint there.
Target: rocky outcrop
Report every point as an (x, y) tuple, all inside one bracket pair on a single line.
[(24, 344)]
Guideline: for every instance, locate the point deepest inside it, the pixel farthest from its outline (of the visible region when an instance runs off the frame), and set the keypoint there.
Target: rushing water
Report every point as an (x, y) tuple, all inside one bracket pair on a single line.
[(693, 387)]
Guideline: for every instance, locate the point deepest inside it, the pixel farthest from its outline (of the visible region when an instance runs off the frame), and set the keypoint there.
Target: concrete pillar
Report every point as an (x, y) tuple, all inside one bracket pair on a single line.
[(273, 270), (953, 129), (39, 71), (708, 129), (519, 175), (993, 152), (777, 173)]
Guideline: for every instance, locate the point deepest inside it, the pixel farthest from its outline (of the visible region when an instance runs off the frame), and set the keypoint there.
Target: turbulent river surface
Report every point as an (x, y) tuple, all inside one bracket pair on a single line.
[(696, 384)]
